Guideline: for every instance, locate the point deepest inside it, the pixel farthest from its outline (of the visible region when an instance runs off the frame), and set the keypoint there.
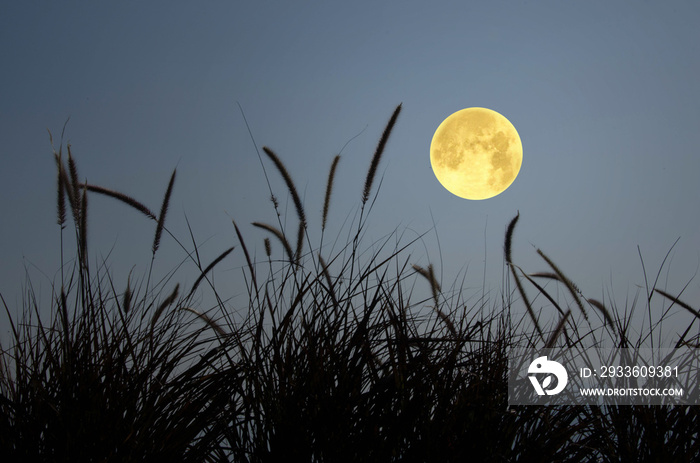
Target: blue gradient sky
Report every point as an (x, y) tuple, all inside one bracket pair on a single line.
[(604, 95)]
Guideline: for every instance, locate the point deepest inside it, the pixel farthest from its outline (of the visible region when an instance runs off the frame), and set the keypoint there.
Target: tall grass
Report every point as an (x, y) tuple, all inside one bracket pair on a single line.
[(354, 354), (112, 375)]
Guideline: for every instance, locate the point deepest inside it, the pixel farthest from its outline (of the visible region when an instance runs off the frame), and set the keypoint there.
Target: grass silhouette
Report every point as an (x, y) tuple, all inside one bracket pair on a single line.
[(335, 358)]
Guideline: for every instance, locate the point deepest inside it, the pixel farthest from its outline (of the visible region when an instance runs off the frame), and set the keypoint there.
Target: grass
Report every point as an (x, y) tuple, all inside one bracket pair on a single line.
[(337, 357)]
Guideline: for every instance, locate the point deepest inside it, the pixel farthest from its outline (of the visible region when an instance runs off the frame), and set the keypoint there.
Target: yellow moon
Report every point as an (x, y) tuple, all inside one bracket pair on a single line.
[(476, 153)]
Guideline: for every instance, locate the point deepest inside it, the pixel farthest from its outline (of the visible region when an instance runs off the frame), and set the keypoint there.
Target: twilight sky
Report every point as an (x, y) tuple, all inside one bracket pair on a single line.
[(604, 95)]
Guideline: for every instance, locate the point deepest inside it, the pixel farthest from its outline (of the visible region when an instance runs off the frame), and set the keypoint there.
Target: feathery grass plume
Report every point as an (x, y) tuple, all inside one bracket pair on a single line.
[(548, 275), (568, 283), (70, 183), (280, 236), (67, 191), (61, 192), (509, 237), (128, 295), (329, 190), (372, 171), (83, 227), (72, 169), (300, 243), (208, 320), (167, 302), (606, 314), (66, 186), (290, 184), (163, 212), (268, 247), (508, 245), (123, 198), (207, 269), (557, 331), (678, 301)]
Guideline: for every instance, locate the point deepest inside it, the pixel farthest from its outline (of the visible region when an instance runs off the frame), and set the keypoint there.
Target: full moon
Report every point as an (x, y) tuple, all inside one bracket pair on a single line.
[(476, 153)]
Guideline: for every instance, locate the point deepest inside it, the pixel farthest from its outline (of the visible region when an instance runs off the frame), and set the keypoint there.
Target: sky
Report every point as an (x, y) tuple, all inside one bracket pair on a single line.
[(604, 96)]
